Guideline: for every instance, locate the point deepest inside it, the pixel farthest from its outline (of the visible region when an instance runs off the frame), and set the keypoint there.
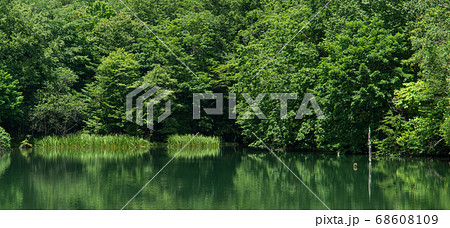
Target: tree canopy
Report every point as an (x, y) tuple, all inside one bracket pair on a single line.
[(66, 66)]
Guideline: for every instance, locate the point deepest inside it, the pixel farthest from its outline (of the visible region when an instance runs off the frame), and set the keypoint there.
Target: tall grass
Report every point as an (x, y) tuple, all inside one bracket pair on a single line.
[(199, 141), (87, 140)]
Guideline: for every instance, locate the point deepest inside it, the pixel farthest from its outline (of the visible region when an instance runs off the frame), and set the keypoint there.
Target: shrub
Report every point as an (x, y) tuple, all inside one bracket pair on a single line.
[(5, 139)]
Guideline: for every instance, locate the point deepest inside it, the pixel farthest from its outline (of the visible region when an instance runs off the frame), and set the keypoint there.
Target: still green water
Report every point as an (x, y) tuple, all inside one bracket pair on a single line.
[(225, 178)]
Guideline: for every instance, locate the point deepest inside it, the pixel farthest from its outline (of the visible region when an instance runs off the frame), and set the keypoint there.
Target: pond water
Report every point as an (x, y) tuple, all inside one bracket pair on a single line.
[(225, 178)]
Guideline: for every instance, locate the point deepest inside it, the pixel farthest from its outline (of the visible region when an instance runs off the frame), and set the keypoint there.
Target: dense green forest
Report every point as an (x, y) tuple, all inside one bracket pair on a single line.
[(67, 65)]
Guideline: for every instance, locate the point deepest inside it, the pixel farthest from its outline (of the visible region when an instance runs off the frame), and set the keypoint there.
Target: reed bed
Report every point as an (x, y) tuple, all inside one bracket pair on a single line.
[(178, 141), (87, 140)]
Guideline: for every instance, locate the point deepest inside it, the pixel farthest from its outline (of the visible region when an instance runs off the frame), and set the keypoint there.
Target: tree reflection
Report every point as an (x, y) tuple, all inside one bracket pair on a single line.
[(230, 178)]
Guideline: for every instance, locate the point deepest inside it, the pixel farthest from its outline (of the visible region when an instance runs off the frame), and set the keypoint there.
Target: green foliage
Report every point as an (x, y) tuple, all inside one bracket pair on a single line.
[(423, 105), (357, 73), (5, 139), (10, 98), (87, 140), (445, 130), (289, 73), (106, 95), (419, 132), (22, 46), (59, 110), (101, 9), (191, 141), (67, 66), (359, 76), (26, 143), (117, 32)]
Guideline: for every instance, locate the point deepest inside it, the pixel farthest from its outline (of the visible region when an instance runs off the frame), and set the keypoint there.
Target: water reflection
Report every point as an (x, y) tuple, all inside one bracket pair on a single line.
[(5, 161), (193, 153), (228, 178), (89, 153), (370, 178)]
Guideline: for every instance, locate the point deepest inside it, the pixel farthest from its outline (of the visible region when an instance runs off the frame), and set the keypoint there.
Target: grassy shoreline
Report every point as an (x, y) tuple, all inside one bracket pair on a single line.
[(190, 140), (120, 141)]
